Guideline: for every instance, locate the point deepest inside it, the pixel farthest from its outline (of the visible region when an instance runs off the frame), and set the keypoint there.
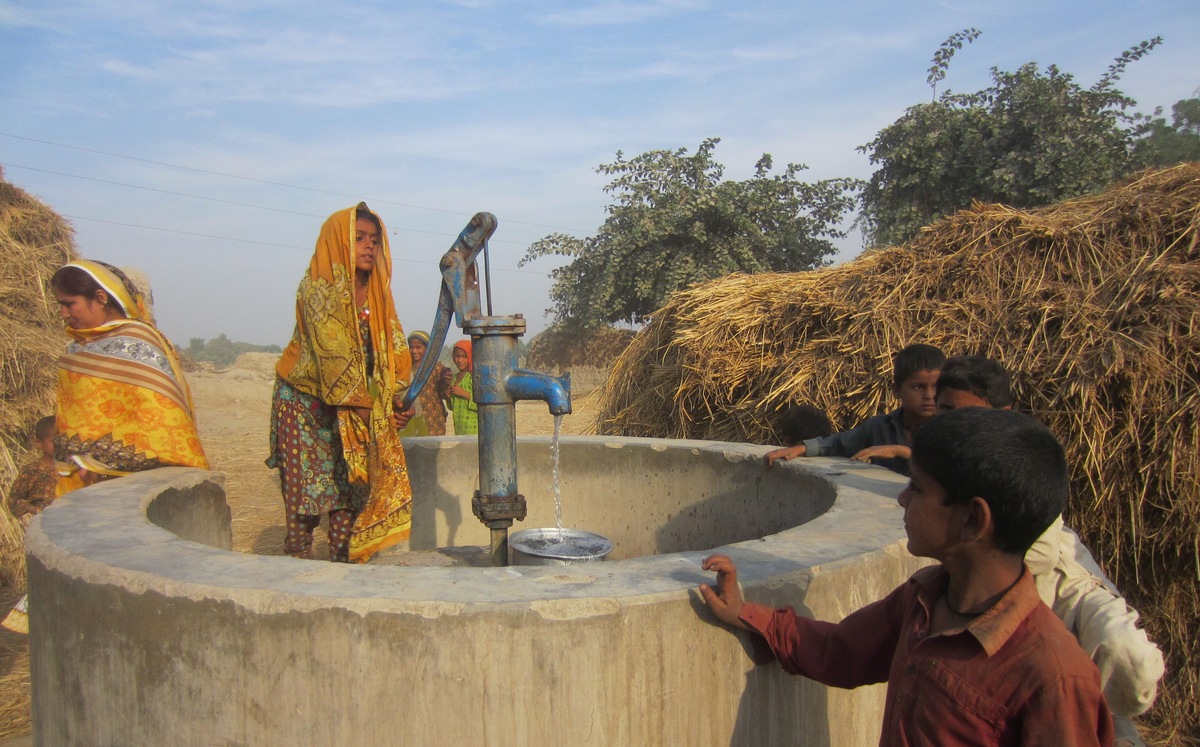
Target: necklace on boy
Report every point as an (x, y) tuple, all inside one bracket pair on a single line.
[(968, 613), (979, 610)]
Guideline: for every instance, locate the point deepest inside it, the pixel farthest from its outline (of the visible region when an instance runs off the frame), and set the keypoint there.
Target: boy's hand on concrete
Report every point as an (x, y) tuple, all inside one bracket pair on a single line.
[(784, 454), (726, 600), (883, 452)]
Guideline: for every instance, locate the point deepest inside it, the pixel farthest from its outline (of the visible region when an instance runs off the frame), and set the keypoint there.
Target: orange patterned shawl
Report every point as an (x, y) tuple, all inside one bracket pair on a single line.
[(325, 359), (123, 404)]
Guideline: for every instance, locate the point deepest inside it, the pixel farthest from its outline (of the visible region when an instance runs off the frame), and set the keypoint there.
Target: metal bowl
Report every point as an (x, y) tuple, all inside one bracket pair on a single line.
[(551, 546)]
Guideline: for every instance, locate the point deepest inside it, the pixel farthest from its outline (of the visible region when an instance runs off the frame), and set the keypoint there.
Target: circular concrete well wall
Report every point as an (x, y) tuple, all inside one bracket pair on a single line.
[(147, 629)]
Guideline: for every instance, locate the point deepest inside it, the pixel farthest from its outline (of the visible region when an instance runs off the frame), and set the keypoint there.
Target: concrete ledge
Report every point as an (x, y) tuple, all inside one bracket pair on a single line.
[(140, 635)]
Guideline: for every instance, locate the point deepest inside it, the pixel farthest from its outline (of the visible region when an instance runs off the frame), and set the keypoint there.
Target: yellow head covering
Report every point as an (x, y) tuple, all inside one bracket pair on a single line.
[(116, 285), (325, 356)]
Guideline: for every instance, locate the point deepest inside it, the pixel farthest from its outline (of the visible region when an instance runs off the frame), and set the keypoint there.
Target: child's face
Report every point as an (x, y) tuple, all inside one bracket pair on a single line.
[(952, 399), (44, 445), (460, 359), (416, 349), (931, 525), (366, 244), (918, 393)]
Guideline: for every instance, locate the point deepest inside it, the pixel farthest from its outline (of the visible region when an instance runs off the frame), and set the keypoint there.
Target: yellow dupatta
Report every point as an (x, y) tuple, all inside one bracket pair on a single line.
[(325, 359), (123, 403)]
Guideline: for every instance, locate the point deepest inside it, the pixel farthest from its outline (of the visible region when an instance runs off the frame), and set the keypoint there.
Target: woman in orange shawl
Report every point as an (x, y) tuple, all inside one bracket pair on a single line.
[(339, 383), (123, 404)]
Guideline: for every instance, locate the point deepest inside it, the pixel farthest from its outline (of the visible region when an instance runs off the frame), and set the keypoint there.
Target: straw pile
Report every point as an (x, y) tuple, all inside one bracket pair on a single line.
[(1094, 306), (34, 242)]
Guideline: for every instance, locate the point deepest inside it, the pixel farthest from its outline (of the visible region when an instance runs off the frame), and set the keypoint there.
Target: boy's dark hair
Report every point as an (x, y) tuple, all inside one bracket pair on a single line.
[(913, 358), (802, 422), (1004, 457), (983, 377), (44, 428)]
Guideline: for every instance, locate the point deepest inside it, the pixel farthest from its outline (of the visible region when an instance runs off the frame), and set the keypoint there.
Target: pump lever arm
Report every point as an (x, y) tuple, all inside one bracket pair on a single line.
[(459, 297)]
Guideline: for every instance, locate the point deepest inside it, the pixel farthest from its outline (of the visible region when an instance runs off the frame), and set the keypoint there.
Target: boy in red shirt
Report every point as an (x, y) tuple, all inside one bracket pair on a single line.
[(970, 653)]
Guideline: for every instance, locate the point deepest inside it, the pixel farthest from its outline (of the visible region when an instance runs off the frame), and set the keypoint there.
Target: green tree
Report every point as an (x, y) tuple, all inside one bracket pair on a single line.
[(674, 222), (1169, 144), (220, 351), (1031, 138)]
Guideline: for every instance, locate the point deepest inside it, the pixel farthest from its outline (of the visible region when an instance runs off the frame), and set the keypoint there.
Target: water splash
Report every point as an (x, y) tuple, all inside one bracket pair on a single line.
[(557, 492)]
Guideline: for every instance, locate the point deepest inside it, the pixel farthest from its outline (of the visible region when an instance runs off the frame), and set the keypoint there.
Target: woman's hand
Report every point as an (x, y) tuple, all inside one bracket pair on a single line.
[(364, 413)]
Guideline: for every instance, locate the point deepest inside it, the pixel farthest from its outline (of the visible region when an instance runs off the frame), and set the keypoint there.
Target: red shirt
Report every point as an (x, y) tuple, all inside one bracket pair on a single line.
[(1012, 676)]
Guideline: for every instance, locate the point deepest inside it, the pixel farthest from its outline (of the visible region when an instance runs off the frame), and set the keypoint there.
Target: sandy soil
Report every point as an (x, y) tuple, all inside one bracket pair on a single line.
[(233, 410)]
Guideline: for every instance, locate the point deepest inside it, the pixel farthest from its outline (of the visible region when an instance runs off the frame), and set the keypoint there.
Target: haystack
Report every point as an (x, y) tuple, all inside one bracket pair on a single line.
[(1093, 304), (34, 242)]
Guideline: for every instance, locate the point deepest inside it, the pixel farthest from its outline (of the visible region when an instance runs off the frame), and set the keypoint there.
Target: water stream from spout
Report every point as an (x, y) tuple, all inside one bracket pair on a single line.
[(557, 493)]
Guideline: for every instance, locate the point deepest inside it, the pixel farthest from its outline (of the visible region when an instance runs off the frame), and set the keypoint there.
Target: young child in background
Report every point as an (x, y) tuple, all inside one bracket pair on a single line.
[(1068, 578), (462, 402), (35, 488), (36, 483), (970, 653), (802, 422), (914, 378)]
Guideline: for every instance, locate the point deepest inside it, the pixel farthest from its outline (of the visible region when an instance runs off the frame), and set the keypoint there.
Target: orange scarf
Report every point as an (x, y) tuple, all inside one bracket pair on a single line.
[(123, 405)]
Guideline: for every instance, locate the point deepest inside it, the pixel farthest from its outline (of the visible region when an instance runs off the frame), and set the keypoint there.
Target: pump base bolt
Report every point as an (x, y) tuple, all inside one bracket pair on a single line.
[(498, 511)]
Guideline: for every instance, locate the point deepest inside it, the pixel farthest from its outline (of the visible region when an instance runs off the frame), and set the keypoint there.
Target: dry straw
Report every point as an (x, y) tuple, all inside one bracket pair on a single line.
[(1094, 306), (34, 242)]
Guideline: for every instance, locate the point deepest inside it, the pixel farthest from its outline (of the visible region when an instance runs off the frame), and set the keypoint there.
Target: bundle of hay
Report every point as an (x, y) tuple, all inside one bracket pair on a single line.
[(1093, 305), (34, 242)]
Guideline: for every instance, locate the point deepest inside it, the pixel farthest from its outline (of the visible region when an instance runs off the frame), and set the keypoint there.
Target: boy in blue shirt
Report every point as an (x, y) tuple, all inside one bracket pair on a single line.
[(914, 382)]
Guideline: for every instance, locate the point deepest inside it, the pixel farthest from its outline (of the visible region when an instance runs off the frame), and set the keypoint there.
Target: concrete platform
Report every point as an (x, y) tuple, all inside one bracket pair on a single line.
[(147, 629)]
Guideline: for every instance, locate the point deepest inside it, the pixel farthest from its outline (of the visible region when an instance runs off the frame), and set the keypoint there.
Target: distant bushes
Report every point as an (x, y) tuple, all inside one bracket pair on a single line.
[(221, 352)]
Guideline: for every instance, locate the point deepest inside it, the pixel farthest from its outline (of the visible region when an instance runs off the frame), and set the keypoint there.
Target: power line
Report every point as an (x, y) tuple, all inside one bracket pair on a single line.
[(155, 189), (393, 228), (265, 243), (269, 183)]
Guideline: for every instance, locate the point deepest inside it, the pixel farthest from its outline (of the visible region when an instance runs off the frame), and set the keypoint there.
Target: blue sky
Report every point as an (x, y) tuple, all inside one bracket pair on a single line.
[(204, 142)]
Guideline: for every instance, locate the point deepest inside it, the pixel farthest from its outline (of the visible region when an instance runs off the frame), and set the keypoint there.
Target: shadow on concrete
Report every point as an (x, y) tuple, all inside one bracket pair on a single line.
[(723, 519), (427, 503)]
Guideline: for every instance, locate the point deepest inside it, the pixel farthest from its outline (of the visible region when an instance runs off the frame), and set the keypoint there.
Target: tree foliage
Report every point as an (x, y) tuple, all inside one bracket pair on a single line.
[(1169, 144), (1031, 138), (675, 221)]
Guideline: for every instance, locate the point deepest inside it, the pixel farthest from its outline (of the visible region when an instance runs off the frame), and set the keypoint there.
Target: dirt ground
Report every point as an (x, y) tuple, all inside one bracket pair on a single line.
[(233, 413)]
